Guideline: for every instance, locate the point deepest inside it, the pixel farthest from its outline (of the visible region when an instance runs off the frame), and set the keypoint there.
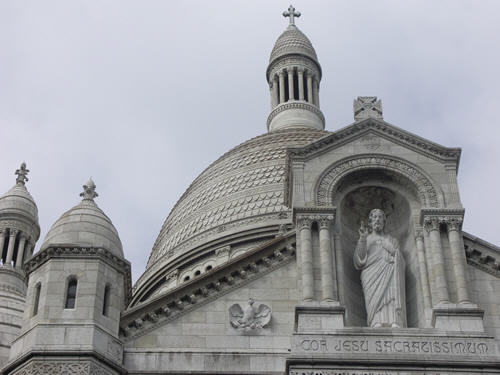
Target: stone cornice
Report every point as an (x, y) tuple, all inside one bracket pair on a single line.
[(482, 254), (295, 104), (121, 265), (441, 215), (223, 279), (315, 213), (382, 128)]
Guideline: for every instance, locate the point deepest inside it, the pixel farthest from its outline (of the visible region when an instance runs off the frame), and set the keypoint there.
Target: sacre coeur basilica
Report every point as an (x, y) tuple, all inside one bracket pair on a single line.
[(301, 251)]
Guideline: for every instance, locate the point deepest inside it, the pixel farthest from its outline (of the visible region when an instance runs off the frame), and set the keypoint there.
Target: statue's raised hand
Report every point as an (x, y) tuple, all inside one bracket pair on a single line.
[(363, 231)]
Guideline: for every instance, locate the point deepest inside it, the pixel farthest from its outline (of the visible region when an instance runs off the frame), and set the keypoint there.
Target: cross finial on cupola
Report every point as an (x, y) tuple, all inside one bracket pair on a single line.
[(89, 191), (292, 14), (21, 174)]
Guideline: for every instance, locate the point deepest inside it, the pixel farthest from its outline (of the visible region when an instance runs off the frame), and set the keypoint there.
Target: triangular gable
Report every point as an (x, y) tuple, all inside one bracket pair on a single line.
[(221, 280), (482, 254), (382, 129)]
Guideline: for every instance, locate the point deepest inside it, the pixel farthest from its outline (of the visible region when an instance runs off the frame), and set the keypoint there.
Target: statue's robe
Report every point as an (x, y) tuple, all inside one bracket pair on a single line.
[(383, 281)]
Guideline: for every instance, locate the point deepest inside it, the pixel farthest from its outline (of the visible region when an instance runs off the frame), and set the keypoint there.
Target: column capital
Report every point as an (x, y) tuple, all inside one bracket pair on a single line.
[(300, 70), (431, 223), (14, 232), (304, 222), (453, 223), (281, 73)]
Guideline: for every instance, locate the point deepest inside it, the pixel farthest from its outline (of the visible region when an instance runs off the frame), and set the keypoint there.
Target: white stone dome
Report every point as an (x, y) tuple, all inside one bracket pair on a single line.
[(85, 225), (243, 188), (293, 42), (19, 202)]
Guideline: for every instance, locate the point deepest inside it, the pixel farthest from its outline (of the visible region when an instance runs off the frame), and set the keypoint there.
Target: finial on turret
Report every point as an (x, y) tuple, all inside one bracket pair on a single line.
[(292, 14), (89, 191), (21, 174)]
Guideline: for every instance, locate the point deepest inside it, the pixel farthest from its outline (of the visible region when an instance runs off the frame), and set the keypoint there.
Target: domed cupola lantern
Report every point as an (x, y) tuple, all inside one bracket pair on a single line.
[(294, 74)]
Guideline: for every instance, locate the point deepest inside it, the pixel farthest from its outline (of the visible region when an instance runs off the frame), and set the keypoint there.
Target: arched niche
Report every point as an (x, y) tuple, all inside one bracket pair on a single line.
[(356, 194)]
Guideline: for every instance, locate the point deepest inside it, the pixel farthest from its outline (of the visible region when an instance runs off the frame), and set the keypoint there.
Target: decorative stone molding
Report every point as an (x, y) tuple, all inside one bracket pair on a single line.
[(172, 275), (295, 105), (249, 317), (432, 219), (482, 254), (74, 367), (209, 286), (398, 135), (297, 61), (328, 183), (121, 265), (223, 251), (367, 107), (306, 216)]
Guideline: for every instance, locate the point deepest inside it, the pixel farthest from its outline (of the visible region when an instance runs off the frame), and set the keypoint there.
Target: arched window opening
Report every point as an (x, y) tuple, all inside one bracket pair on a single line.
[(105, 303), (71, 294), (36, 301), (197, 273), (208, 268), (186, 278)]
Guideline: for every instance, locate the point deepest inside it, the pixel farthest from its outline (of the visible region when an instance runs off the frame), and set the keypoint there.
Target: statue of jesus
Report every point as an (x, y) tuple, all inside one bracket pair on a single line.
[(382, 267)]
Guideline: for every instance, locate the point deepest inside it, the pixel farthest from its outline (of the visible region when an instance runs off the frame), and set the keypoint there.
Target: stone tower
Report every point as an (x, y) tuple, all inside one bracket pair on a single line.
[(79, 282), (19, 231), (294, 75)]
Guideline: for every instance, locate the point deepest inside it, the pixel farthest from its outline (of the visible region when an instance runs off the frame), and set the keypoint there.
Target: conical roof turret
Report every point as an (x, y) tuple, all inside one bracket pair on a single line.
[(85, 225)]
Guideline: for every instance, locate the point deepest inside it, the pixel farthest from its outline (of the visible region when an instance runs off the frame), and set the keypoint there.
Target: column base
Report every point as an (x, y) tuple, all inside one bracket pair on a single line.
[(458, 317), (322, 317)]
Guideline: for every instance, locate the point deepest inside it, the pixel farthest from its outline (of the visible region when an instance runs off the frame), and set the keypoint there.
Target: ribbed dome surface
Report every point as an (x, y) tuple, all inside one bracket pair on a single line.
[(293, 41), (245, 183), (18, 201), (85, 225)]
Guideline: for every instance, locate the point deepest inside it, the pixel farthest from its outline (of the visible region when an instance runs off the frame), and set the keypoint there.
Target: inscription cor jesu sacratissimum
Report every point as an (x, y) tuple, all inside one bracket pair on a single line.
[(394, 346)]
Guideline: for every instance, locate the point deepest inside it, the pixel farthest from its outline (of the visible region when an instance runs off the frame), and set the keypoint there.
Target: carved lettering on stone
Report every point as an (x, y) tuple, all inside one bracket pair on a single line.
[(249, 317)]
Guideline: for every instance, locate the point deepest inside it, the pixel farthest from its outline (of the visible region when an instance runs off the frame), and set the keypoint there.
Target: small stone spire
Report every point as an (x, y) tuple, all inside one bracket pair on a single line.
[(367, 107), (21, 174), (292, 14), (89, 191)]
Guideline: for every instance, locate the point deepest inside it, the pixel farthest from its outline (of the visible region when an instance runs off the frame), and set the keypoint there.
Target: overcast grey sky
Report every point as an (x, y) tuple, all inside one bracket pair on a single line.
[(143, 95)]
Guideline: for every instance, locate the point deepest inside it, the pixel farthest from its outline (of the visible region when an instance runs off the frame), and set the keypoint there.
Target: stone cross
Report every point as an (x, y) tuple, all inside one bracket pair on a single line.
[(367, 107), (21, 174), (89, 191), (292, 14)]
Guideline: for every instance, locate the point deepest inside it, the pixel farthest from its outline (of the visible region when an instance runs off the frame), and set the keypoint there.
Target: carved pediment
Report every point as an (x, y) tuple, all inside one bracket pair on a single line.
[(221, 280), (369, 132)]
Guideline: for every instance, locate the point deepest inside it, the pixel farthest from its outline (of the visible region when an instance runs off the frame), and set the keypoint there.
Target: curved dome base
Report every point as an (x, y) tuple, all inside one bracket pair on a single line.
[(296, 114)]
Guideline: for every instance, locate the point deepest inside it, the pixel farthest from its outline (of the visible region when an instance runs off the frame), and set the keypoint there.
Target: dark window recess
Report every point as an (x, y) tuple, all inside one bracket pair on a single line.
[(287, 94), (36, 302), (71, 295), (296, 86), (105, 303)]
